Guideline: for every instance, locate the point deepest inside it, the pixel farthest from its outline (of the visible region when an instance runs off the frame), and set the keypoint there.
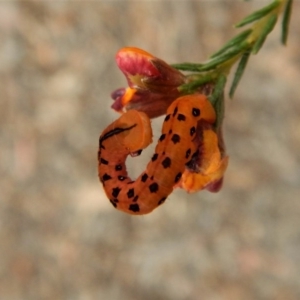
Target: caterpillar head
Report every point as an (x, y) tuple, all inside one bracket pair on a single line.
[(139, 136)]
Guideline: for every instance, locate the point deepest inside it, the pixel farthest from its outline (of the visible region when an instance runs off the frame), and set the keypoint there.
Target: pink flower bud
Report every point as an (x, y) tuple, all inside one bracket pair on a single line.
[(147, 72)]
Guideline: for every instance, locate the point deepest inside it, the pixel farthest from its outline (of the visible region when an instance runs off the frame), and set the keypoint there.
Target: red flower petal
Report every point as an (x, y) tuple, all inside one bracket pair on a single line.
[(145, 71), (136, 63)]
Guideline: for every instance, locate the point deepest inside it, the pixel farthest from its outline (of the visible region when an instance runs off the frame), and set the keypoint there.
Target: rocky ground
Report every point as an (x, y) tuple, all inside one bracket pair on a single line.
[(60, 237)]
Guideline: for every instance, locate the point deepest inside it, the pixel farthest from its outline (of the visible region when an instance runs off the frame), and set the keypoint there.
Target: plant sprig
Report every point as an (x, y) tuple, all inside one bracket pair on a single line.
[(239, 48)]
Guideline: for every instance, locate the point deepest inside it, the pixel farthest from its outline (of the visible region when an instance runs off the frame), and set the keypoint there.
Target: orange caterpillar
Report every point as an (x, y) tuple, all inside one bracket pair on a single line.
[(175, 148), (207, 168)]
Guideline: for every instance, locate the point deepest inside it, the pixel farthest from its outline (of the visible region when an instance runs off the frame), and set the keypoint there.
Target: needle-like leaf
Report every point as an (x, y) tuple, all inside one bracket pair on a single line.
[(216, 61), (217, 99), (189, 88), (187, 67), (258, 14), (234, 41), (286, 21), (239, 72), (265, 31)]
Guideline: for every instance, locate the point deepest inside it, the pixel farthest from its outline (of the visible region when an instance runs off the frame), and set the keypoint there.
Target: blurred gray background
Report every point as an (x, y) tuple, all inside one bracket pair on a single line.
[(60, 238)]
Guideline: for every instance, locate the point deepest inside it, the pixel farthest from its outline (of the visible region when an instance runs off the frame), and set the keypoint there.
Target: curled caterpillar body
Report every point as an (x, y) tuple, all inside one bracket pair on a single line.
[(209, 166), (175, 148)]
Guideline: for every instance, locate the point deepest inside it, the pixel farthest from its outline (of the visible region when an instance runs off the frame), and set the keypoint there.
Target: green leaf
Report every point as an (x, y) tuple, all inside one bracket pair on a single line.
[(265, 31), (234, 41), (187, 67), (189, 88), (286, 21), (218, 90), (216, 61), (259, 14), (217, 99), (239, 72), (220, 111)]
